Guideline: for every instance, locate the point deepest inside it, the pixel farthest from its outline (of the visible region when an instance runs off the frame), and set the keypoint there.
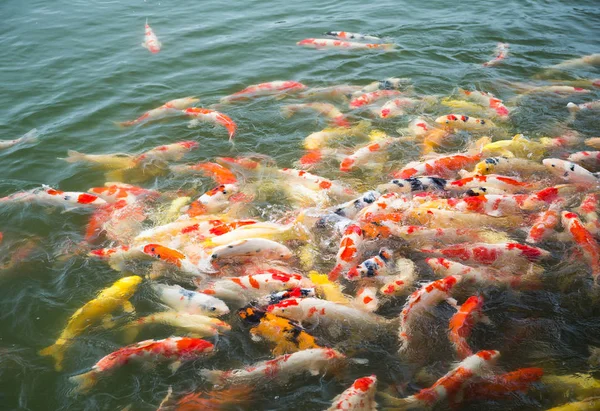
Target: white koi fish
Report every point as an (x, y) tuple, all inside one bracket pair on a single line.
[(180, 299), (30, 137), (359, 397), (150, 40)]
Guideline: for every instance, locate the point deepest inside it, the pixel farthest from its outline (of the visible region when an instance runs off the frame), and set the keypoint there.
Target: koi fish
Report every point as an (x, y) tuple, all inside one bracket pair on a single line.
[(344, 35), (396, 107), (390, 83), (102, 161), (462, 122), (349, 45), (170, 107), (556, 89), (508, 166), (173, 349), (196, 325), (487, 100), (414, 184), (544, 224), (276, 298), (250, 287), (214, 200), (49, 196), (191, 302), (590, 160), (320, 139), (584, 239), (172, 257), (359, 397), (169, 152), (438, 218), (348, 252), (315, 182), (443, 166), (30, 137), (574, 108), (215, 400), (108, 300), (373, 267), (450, 386), (205, 114), (150, 40), (113, 192), (501, 54), (463, 322), (342, 91), (499, 255), (366, 154), (366, 299), (265, 89), (353, 207), (398, 284), (592, 60), (250, 248), (287, 336), (280, 369), (371, 97), (500, 182), (217, 172), (325, 109), (589, 210), (423, 299), (570, 172), (593, 142), (501, 386)]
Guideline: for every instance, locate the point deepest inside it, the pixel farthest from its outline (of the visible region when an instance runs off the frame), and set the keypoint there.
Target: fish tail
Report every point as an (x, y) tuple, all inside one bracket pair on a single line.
[(212, 376), (30, 137), (288, 111), (56, 351), (388, 46), (573, 108), (123, 124), (84, 382), (389, 402)]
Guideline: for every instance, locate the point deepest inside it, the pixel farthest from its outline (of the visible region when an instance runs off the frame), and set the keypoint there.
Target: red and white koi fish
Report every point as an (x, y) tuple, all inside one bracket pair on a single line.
[(399, 284), (114, 192), (499, 255), (315, 182), (349, 251), (585, 240), (587, 159), (280, 369), (443, 166), (49, 196), (201, 226), (417, 235), (366, 299), (389, 203), (544, 224), (495, 205), (501, 54), (169, 152), (205, 114), (30, 137), (170, 107), (349, 45), (325, 109), (249, 249), (487, 100), (353, 207), (423, 299), (463, 322), (484, 275), (500, 182), (396, 107), (462, 122), (150, 40), (366, 154), (324, 313), (504, 385), (440, 218), (344, 35), (173, 349), (450, 386), (214, 200), (250, 287), (373, 267), (359, 397), (371, 97), (265, 89), (192, 302), (571, 172), (592, 105), (589, 210), (419, 127)]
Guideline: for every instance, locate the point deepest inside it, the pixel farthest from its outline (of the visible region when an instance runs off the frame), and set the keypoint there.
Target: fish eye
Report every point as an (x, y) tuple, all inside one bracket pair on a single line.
[(213, 308)]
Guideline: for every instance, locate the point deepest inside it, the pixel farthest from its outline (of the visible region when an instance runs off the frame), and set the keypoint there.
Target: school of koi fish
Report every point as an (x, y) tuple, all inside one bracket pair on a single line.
[(348, 249)]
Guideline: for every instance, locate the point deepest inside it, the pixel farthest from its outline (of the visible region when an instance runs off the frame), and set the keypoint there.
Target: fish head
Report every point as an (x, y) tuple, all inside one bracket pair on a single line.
[(289, 308), (214, 307)]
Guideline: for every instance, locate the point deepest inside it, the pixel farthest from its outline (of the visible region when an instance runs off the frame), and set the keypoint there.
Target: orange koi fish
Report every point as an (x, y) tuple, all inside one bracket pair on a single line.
[(217, 172), (584, 239), (348, 253), (205, 114), (463, 322)]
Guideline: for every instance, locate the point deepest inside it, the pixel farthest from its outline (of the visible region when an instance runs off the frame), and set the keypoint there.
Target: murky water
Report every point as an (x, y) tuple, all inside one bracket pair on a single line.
[(72, 68)]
